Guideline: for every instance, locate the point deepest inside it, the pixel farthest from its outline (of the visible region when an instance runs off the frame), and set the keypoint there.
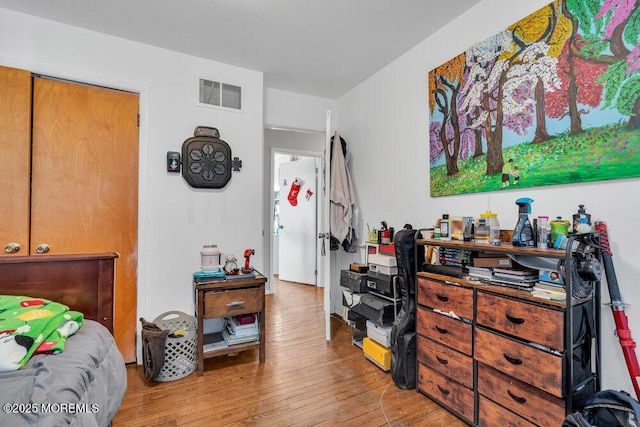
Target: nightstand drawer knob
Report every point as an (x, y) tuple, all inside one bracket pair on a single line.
[(443, 298), (235, 303)]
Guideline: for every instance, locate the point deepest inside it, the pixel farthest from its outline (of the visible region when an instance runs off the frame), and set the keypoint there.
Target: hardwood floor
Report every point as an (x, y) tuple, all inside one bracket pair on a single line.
[(305, 380)]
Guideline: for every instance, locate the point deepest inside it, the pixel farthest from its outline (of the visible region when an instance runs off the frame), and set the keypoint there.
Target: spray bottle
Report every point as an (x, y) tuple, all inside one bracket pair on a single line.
[(523, 236)]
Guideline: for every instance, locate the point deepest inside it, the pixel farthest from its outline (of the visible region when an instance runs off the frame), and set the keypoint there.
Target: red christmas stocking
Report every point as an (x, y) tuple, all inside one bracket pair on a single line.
[(293, 192)]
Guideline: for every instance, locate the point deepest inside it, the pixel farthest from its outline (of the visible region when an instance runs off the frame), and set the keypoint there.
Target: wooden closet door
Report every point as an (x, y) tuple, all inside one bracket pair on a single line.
[(15, 153), (85, 183)]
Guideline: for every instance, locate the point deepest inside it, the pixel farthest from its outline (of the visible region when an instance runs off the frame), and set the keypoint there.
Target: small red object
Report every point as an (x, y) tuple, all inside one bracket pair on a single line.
[(32, 302)]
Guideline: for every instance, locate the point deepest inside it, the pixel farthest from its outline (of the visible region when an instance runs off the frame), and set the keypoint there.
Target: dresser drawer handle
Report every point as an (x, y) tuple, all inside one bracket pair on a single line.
[(443, 390), (235, 303), (442, 298), (516, 320), (441, 360), (442, 330), (513, 360), (520, 400)]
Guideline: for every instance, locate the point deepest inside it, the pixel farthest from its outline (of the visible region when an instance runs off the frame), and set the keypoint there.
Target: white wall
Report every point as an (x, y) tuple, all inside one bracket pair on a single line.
[(290, 110), (175, 220), (385, 121)]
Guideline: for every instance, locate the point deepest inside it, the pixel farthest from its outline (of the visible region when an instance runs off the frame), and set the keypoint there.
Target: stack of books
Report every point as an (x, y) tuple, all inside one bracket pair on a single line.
[(519, 278), (549, 286), (482, 273), (236, 332), (455, 257), (551, 291)]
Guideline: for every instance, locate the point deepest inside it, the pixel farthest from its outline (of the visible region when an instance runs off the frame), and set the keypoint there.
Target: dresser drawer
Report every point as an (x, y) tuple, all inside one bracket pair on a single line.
[(527, 321), (233, 302), (447, 392), (445, 360), (445, 297), (520, 398), (446, 330), (536, 367), (491, 414)]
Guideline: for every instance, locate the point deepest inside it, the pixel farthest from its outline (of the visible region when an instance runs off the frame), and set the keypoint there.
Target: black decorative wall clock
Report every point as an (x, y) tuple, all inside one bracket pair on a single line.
[(207, 161)]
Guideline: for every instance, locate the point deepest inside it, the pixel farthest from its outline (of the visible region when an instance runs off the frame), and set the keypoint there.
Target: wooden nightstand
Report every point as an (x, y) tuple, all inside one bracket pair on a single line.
[(217, 298)]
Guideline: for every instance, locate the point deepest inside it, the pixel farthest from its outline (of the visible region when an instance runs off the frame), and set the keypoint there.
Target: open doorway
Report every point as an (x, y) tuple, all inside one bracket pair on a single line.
[(291, 146)]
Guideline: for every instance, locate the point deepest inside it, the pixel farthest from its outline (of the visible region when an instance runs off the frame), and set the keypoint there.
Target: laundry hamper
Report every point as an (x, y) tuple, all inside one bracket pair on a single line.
[(180, 350)]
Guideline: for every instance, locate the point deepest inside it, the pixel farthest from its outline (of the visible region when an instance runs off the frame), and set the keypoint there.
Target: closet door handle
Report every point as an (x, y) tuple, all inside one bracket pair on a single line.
[(12, 248), (511, 359), (516, 320), (42, 248), (521, 400)]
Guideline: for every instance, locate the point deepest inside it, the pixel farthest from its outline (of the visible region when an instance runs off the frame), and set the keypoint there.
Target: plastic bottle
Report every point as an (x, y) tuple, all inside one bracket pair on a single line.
[(542, 233), (523, 236), (559, 229), (445, 229), (481, 234), (494, 227), (577, 217)]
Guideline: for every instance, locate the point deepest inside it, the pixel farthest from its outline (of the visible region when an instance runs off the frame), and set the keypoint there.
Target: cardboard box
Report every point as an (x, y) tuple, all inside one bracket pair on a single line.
[(383, 269), (380, 282), (386, 260), (376, 309), (357, 282), (492, 262), (350, 299), (376, 353), (379, 333)]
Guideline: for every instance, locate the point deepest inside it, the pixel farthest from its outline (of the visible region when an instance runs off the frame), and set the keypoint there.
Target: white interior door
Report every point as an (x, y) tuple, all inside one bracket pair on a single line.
[(298, 203), (326, 226)]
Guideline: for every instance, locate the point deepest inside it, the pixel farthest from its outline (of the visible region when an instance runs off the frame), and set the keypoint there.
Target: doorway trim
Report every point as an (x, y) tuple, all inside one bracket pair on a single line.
[(293, 152)]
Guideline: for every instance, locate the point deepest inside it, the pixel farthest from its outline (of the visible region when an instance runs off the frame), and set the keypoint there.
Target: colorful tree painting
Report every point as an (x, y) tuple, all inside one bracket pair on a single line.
[(557, 92)]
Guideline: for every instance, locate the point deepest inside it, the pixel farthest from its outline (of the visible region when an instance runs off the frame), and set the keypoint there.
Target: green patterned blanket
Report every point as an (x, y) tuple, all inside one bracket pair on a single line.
[(31, 326)]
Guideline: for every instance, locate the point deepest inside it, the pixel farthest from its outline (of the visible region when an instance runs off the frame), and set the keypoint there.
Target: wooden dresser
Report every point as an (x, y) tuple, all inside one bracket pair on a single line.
[(496, 355)]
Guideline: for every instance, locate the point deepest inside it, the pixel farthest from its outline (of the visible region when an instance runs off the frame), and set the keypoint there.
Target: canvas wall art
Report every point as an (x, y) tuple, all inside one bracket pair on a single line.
[(553, 99)]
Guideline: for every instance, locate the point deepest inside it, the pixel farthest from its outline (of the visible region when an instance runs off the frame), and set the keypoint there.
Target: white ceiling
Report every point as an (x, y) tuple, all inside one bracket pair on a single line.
[(316, 47)]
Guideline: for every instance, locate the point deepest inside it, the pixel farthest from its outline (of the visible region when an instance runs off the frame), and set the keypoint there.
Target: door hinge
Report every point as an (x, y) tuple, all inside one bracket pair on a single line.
[(138, 121)]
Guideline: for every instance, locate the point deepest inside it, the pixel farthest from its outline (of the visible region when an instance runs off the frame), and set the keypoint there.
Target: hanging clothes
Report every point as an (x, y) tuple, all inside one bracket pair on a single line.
[(343, 211)]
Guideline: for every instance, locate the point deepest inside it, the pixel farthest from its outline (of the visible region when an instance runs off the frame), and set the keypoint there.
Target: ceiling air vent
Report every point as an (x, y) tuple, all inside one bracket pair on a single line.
[(217, 94)]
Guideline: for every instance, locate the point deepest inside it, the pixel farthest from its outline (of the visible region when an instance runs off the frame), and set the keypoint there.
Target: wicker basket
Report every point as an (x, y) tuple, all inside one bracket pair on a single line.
[(180, 352)]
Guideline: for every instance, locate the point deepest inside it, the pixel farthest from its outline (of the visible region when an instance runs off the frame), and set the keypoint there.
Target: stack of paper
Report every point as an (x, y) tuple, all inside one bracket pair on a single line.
[(235, 333)]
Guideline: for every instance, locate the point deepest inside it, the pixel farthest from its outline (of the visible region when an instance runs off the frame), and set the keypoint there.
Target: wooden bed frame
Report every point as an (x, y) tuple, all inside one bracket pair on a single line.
[(84, 282)]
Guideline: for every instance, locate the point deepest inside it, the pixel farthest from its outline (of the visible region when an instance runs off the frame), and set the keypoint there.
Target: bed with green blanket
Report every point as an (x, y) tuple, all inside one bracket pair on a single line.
[(60, 363)]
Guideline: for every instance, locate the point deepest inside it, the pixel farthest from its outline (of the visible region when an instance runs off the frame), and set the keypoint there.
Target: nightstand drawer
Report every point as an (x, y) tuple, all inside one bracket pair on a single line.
[(527, 321), (445, 330), (445, 297), (233, 302), (445, 360), (520, 398), (536, 367), (453, 395)]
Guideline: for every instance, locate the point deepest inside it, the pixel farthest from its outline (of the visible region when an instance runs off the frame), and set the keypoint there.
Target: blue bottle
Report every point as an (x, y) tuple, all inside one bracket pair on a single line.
[(523, 235)]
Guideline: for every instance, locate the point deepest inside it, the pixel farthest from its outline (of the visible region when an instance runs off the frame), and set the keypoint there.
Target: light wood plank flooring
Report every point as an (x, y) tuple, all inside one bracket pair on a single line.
[(305, 381)]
